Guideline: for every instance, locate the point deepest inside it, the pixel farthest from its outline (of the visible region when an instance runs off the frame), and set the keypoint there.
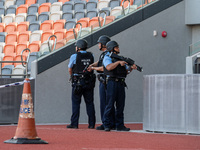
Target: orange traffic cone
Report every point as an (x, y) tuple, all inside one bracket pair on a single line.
[(26, 131)]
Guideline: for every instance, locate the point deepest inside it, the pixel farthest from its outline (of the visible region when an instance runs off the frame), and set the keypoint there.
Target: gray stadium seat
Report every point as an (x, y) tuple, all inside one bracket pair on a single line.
[(70, 23), (91, 5), (33, 8), (68, 6), (43, 16), (19, 2), (92, 13), (2, 10), (107, 10), (114, 3), (32, 17), (19, 69), (80, 14), (2, 36), (33, 56), (34, 26), (1, 3), (79, 5), (7, 70), (68, 15), (53, 1), (11, 9), (42, 1)]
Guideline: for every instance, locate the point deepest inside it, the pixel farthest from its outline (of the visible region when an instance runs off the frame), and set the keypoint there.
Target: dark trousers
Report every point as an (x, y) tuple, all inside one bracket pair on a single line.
[(88, 95), (103, 103), (115, 95)]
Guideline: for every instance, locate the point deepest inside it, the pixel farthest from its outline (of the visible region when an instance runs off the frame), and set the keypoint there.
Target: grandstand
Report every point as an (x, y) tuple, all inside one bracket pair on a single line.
[(137, 25)]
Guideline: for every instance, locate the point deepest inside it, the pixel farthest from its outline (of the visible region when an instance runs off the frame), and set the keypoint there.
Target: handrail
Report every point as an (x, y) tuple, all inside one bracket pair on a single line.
[(123, 7), (54, 44), (27, 60), (101, 11), (79, 35)]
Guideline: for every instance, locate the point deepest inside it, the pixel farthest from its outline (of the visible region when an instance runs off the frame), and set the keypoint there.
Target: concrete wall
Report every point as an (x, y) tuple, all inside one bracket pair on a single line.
[(156, 54)]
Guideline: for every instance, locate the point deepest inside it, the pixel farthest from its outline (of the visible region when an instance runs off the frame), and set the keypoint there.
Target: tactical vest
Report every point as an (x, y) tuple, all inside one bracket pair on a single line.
[(100, 62), (83, 60), (118, 72)]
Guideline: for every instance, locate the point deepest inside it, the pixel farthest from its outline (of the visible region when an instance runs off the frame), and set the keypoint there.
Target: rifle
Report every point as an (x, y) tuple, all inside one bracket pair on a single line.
[(128, 60)]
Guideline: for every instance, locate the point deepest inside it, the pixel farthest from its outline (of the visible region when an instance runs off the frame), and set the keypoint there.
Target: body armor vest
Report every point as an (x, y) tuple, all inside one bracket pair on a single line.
[(100, 62)]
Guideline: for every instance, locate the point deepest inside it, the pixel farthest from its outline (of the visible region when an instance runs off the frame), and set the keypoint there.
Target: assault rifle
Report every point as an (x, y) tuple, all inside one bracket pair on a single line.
[(128, 60)]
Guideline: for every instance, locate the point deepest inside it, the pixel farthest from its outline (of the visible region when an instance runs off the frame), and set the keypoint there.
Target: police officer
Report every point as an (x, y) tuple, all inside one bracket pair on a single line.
[(116, 72), (83, 83), (98, 66)]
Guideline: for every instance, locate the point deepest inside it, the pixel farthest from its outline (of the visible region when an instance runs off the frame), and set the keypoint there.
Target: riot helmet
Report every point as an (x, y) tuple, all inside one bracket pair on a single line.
[(111, 45), (103, 40), (81, 44)]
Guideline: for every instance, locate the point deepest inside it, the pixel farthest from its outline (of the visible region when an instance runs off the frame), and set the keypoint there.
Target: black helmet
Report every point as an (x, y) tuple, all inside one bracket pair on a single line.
[(82, 44), (111, 45), (103, 39)]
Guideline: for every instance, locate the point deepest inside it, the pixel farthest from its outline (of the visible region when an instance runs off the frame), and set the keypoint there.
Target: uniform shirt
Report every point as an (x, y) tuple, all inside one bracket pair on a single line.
[(72, 60)]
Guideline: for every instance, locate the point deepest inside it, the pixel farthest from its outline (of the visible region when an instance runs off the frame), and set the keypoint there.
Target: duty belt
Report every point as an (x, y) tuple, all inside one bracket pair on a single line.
[(116, 79)]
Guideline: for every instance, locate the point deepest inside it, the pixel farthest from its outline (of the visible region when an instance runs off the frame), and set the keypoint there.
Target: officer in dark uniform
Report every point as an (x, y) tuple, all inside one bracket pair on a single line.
[(83, 83), (98, 66), (116, 72)]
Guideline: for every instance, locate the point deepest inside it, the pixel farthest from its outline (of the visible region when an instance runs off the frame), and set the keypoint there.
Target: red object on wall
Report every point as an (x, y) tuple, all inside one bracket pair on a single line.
[(164, 34)]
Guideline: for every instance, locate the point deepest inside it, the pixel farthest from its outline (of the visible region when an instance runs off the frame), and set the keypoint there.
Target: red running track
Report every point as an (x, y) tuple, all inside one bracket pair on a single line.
[(61, 138)]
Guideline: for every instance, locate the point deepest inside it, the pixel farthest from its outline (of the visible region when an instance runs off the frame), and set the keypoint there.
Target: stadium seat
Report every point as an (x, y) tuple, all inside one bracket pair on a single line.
[(7, 70), (53, 1), (92, 13), (2, 44), (80, 5), (55, 16), (34, 46), (107, 10), (22, 9), (2, 10), (80, 14), (40, 2), (59, 24), (20, 48), (11, 27), (3, 36), (7, 58), (114, 3), (63, 1), (127, 2), (55, 7), (33, 56), (103, 3), (2, 27), (131, 8), (19, 69), (10, 49), (109, 19), (22, 26), (46, 35), (19, 2), (46, 25), (33, 8), (1, 18), (8, 3), (35, 36), (32, 17), (68, 15), (117, 11), (68, 6), (34, 26), (18, 58), (70, 35), (30, 2), (45, 7), (84, 32), (23, 37), (70, 23), (1, 3), (84, 22), (20, 17), (60, 34), (44, 48), (9, 18), (60, 44), (11, 9), (91, 5), (94, 22), (43, 16), (140, 3), (11, 37)]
